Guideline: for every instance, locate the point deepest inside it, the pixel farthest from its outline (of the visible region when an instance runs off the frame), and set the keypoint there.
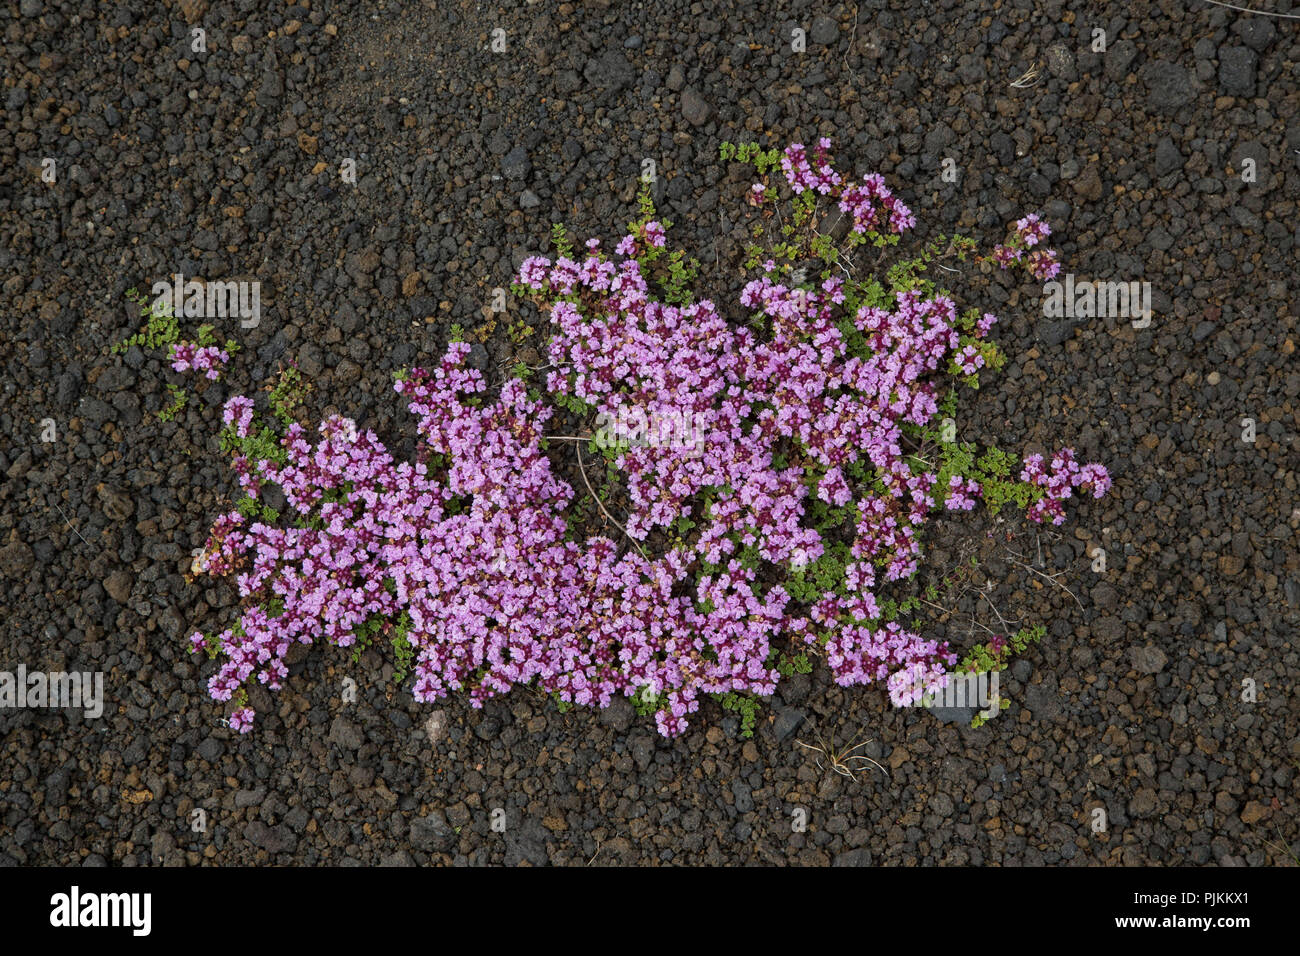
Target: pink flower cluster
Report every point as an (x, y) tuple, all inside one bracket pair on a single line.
[(962, 493), (817, 175), (874, 208), (208, 359), (238, 414), (1066, 474), (1042, 264), (655, 235), (871, 205), (476, 558), (1030, 231), (468, 546)]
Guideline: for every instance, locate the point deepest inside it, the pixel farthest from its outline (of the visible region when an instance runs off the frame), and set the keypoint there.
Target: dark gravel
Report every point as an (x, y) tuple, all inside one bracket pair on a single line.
[(226, 165)]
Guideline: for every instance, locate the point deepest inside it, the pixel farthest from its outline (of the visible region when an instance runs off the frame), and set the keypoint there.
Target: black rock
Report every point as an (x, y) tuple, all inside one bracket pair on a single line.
[(96, 411), (432, 833), (1042, 702), (694, 107), (516, 164), (1168, 157), (488, 728), (794, 689), (1169, 86), (1119, 56), (743, 795), (345, 733), (825, 31), (16, 559), (526, 842), (858, 857), (952, 715), (610, 71), (642, 748), (1237, 68), (1003, 150), (788, 720), (272, 839), (478, 357), (1055, 331), (618, 715), (1256, 32), (209, 749)]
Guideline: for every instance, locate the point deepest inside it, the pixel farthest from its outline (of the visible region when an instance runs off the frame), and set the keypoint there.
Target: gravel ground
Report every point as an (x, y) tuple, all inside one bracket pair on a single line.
[(224, 164)]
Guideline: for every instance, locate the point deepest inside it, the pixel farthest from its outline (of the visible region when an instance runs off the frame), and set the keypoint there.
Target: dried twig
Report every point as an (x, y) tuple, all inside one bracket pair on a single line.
[(842, 761), (1027, 79), (1010, 628), (70, 524), (1284, 846), (1262, 13), (717, 260), (844, 60), (1050, 578), (600, 504), (973, 622)]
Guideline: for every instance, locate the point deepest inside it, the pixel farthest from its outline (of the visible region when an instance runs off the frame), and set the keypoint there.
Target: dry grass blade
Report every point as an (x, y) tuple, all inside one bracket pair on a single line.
[(1252, 10), (1283, 848), (71, 525), (1029, 78), (846, 761), (583, 470), (1049, 578)]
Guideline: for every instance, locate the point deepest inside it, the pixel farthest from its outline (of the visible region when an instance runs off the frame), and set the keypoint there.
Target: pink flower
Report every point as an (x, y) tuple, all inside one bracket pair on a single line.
[(762, 456), (1006, 255), (1031, 230), (1043, 264), (238, 412)]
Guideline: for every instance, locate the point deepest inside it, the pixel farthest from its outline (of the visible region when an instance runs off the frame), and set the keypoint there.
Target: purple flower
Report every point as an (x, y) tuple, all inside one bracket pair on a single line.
[(242, 720), (187, 356), (464, 553), (1043, 264), (238, 412), (1031, 230), (1006, 255), (961, 493)]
